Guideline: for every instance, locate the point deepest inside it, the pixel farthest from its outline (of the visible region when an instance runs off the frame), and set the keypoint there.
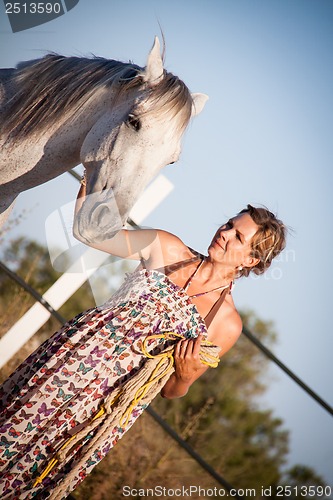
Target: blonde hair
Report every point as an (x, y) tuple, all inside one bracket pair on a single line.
[(268, 241)]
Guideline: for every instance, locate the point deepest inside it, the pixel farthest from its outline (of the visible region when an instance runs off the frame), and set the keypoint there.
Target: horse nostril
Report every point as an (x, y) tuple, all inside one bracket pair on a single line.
[(102, 214), (105, 187)]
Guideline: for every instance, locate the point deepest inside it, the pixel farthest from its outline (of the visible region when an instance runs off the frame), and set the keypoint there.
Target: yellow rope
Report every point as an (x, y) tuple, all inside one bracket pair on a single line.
[(154, 377), (53, 462)]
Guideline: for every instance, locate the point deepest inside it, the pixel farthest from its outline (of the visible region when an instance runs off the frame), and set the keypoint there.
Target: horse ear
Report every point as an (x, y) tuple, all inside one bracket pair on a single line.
[(199, 101), (154, 67)]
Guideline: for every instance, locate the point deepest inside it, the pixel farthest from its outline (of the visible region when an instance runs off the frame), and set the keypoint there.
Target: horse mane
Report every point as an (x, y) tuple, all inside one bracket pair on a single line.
[(56, 86)]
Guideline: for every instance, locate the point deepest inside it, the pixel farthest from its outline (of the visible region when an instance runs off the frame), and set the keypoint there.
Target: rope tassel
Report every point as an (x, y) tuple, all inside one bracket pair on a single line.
[(118, 407)]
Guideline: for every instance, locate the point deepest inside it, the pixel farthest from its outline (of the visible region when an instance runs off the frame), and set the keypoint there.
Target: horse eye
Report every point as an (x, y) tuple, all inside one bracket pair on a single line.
[(134, 122)]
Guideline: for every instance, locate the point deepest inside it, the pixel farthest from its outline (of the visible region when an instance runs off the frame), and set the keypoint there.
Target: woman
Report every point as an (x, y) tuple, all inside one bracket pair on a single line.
[(51, 435)]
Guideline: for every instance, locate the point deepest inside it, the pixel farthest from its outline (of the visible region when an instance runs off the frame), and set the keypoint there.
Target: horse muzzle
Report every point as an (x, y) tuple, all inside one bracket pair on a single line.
[(99, 218)]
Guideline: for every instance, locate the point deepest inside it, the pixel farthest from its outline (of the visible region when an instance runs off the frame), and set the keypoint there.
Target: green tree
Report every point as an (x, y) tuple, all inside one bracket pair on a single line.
[(304, 482), (31, 262)]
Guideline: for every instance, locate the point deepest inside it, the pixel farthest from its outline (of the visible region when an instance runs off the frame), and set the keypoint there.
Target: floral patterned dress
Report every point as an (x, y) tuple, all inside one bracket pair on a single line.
[(63, 383)]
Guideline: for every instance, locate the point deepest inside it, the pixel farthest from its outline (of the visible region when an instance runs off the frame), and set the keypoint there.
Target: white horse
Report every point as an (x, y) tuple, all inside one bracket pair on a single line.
[(122, 122)]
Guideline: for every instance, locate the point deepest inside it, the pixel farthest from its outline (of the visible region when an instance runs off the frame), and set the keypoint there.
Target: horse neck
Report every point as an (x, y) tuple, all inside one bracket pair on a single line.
[(55, 149), (66, 136)]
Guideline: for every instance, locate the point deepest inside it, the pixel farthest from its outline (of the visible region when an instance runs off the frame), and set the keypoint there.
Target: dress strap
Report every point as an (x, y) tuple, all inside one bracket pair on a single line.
[(218, 303), (143, 262), (189, 281), (216, 306), (177, 265)]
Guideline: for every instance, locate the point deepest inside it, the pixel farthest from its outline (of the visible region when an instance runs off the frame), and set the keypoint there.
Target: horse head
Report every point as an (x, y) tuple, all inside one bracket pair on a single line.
[(129, 144)]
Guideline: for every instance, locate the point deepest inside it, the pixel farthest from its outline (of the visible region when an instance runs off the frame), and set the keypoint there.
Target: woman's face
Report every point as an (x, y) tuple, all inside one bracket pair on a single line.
[(231, 244)]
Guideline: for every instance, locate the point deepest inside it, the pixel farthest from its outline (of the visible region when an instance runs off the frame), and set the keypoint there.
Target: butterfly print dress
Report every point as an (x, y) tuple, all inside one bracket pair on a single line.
[(63, 383)]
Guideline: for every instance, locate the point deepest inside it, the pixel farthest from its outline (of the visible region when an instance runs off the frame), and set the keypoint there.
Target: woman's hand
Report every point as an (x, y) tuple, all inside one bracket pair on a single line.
[(188, 368), (187, 360), (81, 194)]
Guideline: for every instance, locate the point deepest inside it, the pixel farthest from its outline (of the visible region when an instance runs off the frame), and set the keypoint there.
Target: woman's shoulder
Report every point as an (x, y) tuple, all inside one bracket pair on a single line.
[(171, 247), (166, 237)]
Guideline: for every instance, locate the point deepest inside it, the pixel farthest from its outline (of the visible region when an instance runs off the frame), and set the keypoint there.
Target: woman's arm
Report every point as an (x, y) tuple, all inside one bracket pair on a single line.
[(133, 244), (188, 367)]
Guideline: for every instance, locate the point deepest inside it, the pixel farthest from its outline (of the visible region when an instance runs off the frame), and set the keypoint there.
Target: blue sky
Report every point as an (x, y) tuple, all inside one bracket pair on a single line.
[(264, 138)]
